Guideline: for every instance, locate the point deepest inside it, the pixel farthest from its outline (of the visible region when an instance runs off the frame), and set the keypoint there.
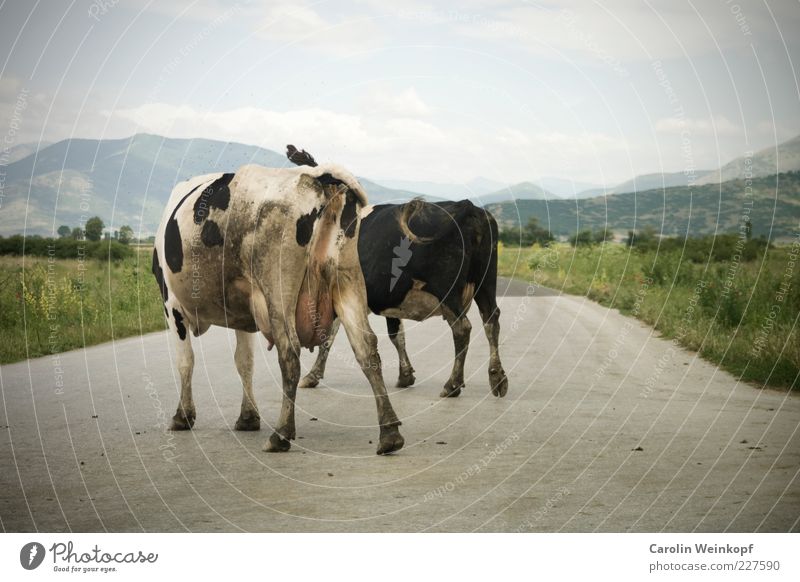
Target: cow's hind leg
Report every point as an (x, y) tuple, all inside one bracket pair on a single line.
[(398, 337), (249, 419), (490, 314), (461, 328), (350, 303), (185, 415), (289, 358), (317, 371)]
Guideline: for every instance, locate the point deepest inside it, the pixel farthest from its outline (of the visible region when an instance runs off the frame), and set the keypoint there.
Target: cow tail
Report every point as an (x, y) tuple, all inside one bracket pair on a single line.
[(415, 206), (410, 210)]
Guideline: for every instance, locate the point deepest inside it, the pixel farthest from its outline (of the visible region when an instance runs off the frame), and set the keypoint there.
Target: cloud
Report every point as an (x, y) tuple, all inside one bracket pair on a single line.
[(376, 145), (622, 30), (290, 22), (405, 103), (713, 126)]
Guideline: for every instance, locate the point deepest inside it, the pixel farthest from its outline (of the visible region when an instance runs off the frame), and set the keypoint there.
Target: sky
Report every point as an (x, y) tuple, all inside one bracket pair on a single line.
[(594, 92)]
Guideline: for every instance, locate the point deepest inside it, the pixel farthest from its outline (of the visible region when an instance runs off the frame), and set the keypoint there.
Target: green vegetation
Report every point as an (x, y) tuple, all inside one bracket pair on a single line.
[(64, 248), (530, 234), (55, 305), (94, 228), (735, 301), (772, 203)]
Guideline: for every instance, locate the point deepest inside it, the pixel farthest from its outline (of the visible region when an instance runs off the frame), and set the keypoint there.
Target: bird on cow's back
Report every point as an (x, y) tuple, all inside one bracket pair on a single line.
[(272, 251), (421, 260)]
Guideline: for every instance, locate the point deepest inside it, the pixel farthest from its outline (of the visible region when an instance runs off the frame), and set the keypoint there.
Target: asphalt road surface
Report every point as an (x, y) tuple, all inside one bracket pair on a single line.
[(605, 427)]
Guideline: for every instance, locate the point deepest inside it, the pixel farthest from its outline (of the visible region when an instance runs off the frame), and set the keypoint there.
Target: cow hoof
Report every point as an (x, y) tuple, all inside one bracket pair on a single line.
[(406, 380), (250, 422), (450, 391), (499, 383), (391, 440), (277, 444), (182, 421), (308, 381)]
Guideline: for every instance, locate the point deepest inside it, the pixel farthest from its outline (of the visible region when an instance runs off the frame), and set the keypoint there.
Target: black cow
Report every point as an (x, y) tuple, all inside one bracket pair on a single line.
[(424, 259)]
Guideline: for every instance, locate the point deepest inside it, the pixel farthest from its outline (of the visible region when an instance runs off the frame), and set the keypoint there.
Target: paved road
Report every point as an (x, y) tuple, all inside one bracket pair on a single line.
[(605, 427)]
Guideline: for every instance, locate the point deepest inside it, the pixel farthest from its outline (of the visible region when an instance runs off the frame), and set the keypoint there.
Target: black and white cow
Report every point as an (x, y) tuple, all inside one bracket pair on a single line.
[(271, 251), (422, 260)]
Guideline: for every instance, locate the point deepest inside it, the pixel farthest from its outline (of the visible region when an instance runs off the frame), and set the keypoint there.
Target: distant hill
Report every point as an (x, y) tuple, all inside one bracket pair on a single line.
[(379, 194), (674, 211), (653, 181), (442, 190), (128, 181), (19, 151), (124, 181), (482, 189), (521, 191), (566, 188), (784, 157)]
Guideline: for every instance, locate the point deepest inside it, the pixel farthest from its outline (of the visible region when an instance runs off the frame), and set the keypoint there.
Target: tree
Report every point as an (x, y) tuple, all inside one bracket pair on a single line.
[(583, 237), (125, 234), (533, 233), (645, 238), (94, 228), (64, 231), (77, 233), (603, 235), (527, 235)]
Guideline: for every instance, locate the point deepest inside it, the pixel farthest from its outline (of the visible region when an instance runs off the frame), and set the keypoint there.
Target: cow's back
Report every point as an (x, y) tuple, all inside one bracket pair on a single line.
[(465, 238)]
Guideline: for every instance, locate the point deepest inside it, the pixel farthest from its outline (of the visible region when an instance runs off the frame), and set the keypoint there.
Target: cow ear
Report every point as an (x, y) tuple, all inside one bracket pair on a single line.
[(331, 185), (335, 180)]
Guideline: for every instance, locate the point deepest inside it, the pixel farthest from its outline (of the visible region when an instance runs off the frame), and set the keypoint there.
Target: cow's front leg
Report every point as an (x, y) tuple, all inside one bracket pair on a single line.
[(398, 336), (317, 371), (289, 359), (185, 415), (249, 419), (351, 306), (461, 329)]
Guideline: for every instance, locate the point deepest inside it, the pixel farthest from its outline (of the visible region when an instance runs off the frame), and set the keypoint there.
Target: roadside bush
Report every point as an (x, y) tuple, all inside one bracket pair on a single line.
[(64, 248)]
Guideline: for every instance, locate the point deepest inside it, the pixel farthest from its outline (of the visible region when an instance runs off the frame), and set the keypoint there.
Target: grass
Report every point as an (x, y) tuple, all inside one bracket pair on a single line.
[(52, 306), (740, 315)]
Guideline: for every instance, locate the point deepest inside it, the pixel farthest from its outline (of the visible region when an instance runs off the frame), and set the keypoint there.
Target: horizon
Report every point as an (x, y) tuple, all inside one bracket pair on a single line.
[(535, 180), (504, 90)]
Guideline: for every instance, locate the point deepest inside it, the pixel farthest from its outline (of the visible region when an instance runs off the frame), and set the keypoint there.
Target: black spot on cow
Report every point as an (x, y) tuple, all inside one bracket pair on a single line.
[(158, 273), (179, 324), (349, 218), (173, 245), (305, 227), (327, 179), (210, 235), (215, 195)]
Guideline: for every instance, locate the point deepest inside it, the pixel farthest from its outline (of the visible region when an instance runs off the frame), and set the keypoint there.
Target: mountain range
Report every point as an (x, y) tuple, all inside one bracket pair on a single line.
[(128, 181), (124, 181), (772, 203)]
